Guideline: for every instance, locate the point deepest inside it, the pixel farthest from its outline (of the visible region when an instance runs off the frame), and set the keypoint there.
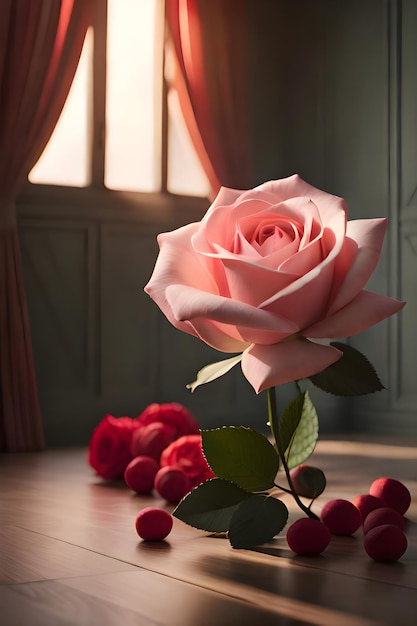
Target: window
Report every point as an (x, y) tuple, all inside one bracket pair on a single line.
[(122, 125)]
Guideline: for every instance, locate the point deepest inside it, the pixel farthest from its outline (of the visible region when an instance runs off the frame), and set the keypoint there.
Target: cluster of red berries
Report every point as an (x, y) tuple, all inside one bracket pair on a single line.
[(151, 469), (148, 470), (380, 513), (143, 474)]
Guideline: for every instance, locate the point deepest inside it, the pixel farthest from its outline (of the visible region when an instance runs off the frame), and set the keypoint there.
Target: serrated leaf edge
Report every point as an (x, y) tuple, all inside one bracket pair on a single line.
[(220, 509)]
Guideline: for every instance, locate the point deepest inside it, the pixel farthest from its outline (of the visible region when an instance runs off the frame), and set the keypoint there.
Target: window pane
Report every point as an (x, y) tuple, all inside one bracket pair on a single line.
[(65, 160), (134, 73), (185, 174)]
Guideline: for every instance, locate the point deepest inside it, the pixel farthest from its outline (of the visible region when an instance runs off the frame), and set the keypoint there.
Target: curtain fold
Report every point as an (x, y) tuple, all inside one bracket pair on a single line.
[(41, 43), (211, 50)]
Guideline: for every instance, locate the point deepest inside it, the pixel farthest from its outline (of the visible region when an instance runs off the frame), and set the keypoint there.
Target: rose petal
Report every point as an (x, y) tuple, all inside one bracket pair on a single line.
[(218, 335), (219, 225), (212, 315), (365, 310), (304, 301), (280, 363), (223, 337), (357, 260), (187, 452), (304, 260), (168, 271), (226, 233), (252, 283), (255, 335), (333, 209), (225, 197), (171, 413), (188, 303), (109, 446)]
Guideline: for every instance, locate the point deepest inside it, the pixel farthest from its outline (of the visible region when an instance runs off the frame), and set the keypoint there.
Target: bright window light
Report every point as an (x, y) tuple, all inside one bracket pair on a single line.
[(66, 158), (132, 152), (133, 111)]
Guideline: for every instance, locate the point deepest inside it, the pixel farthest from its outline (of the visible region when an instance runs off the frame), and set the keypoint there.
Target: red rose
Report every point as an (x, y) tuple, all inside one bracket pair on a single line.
[(109, 447), (187, 452), (173, 414)]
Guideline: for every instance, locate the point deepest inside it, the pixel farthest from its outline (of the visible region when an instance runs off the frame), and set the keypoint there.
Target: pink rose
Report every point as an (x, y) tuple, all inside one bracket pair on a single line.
[(109, 446), (269, 271), (187, 453)]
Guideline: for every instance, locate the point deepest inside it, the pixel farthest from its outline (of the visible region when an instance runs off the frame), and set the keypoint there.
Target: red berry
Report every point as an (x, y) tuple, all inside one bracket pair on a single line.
[(152, 439), (308, 482), (153, 524), (367, 503), (308, 536), (341, 517), (140, 474), (385, 515), (172, 483), (395, 494), (385, 543)]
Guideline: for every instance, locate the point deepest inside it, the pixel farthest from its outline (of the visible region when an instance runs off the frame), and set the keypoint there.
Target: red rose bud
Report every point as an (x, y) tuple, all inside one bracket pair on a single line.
[(341, 517), (385, 543), (172, 483), (308, 482), (140, 474), (385, 515), (393, 492), (308, 536), (152, 439), (367, 503), (153, 524)]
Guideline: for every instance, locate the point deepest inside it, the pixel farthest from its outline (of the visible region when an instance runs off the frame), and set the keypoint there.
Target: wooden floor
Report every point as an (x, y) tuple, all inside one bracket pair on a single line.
[(69, 554)]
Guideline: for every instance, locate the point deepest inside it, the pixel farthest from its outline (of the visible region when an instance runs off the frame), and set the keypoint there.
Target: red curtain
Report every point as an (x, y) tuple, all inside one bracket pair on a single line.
[(210, 42), (41, 42)]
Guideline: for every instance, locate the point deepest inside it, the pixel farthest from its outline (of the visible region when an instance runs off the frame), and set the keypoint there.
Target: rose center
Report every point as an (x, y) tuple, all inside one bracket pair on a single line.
[(268, 231), (268, 237)]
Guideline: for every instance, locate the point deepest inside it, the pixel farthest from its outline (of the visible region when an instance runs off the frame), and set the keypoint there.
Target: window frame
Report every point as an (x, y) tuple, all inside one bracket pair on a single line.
[(155, 206)]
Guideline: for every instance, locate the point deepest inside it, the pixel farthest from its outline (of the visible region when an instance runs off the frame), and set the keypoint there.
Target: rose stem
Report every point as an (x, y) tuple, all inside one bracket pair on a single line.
[(274, 425)]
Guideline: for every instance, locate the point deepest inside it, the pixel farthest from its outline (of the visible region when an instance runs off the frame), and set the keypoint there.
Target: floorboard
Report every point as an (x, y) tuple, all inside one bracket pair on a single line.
[(69, 553)]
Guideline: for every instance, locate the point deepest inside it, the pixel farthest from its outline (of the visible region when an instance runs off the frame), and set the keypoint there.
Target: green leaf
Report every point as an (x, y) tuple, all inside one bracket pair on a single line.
[(289, 420), (242, 455), (210, 506), (298, 430), (210, 372), (351, 375), (257, 520)]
